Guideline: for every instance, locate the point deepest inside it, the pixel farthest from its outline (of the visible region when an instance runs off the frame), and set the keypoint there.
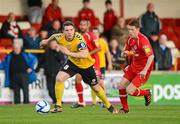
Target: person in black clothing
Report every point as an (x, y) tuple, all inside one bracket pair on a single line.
[(51, 61), (163, 55), (150, 25), (35, 11), (10, 28), (20, 70), (116, 54)]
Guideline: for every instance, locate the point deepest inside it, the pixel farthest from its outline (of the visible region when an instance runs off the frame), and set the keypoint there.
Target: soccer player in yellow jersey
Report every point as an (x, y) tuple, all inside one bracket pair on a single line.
[(79, 61), (103, 54)]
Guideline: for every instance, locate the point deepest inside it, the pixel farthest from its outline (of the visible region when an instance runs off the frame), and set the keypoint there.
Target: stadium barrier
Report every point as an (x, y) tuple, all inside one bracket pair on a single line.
[(40, 51), (165, 87)]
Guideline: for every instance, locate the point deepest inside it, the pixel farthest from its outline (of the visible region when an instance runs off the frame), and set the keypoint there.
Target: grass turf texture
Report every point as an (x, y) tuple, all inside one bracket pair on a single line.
[(25, 114)]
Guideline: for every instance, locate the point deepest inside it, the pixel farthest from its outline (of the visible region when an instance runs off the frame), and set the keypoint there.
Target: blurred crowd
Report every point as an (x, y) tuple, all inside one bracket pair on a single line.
[(50, 20)]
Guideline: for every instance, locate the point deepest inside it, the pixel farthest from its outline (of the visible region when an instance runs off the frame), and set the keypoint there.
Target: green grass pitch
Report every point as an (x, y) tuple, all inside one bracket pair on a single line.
[(25, 114)]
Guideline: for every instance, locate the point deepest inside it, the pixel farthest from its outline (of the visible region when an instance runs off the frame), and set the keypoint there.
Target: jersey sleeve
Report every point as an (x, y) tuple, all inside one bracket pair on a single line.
[(82, 44), (146, 47), (57, 37)]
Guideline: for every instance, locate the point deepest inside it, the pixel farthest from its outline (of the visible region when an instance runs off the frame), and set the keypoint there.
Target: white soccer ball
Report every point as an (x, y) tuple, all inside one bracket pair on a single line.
[(42, 107)]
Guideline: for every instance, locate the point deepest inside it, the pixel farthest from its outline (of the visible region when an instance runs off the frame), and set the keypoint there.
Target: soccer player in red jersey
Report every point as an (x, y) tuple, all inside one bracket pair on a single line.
[(87, 13), (138, 72), (93, 47)]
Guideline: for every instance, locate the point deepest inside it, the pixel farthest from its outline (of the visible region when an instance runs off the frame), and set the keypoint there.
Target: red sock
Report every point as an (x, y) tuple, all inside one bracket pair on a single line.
[(79, 89), (123, 98), (140, 92)]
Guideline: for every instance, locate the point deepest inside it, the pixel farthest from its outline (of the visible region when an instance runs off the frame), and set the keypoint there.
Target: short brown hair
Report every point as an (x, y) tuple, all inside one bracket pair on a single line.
[(68, 23), (134, 22)]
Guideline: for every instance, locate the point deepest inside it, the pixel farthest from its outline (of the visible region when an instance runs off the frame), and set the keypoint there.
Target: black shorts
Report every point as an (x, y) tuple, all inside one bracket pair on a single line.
[(88, 75), (102, 73)]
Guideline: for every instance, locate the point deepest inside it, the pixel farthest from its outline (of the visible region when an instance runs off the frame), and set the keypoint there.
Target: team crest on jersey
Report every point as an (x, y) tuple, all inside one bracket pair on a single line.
[(68, 47), (146, 48)]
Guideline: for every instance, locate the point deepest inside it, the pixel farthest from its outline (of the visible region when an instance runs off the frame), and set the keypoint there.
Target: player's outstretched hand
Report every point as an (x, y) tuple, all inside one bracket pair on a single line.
[(125, 53), (43, 43)]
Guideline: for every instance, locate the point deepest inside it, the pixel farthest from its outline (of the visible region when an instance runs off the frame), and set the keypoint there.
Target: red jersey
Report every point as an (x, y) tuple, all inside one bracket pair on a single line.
[(87, 14), (52, 14), (91, 45), (110, 20), (142, 49)]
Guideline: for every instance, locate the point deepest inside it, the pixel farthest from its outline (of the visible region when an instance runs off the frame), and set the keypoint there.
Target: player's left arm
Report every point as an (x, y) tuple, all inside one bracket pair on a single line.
[(148, 52), (108, 56), (97, 49), (82, 53)]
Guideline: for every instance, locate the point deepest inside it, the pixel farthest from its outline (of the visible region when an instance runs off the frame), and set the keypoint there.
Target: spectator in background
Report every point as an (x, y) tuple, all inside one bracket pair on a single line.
[(163, 55), (32, 41), (55, 28), (52, 12), (115, 54), (43, 33), (110, 19), (51, 61), (87, 13), (170, 44), (10, 28), (120, 32), (19, 71), (150, 25), (35, 11)]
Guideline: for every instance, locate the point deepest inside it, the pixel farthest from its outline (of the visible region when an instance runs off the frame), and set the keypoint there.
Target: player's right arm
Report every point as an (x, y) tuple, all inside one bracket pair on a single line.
[(97, 47), (108, 56), (46, 41), (126, 51)]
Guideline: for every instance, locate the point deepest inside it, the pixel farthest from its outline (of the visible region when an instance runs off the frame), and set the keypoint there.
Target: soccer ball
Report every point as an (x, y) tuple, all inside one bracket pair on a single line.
[(42, 107)]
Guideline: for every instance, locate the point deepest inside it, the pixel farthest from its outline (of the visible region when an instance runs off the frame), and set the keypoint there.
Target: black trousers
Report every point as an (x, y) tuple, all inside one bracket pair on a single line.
[(51, 80), (20, 81)]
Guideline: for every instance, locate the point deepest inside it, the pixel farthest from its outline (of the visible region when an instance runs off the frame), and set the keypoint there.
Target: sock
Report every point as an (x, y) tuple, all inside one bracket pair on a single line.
[(79, 90), (123, 98), (101, 94), (59, 91), (93, 95), (140, 92), (103, 87)]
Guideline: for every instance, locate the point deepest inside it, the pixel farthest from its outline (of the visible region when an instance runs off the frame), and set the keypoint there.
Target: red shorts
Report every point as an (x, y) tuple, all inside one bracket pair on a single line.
[(135, 78)]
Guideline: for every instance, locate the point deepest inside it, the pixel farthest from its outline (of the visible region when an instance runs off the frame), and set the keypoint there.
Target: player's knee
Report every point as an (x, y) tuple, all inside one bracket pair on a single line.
[(59, 79), (121, 86), (95, 88)]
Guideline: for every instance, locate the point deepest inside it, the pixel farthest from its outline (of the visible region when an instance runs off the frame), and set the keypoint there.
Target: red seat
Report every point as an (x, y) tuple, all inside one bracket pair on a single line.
[(178, 22), (5, 42), (168, 22), (168, 29), (2, 55), (18, 18), (36, 26), (177, 30), (3, 18)]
